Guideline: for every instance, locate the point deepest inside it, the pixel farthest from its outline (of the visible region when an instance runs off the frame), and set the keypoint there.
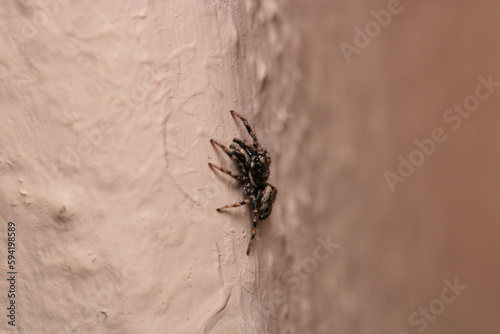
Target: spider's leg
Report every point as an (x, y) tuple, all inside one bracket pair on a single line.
[(247, 201), (227, 151), (250, 149), (238, 148), (255, 223), (254, 231), (249, 129), (240, 151), (224, 148), (233, 175)]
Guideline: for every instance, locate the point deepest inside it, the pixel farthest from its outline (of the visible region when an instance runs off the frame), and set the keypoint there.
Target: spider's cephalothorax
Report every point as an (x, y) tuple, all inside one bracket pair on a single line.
[(253, 163)]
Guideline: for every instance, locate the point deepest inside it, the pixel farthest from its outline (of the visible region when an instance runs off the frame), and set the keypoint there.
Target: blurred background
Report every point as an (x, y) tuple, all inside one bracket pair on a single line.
[(377, 77)]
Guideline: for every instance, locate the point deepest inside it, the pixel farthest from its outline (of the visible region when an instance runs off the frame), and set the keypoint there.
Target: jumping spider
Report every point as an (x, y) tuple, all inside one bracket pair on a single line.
[(253, 162)]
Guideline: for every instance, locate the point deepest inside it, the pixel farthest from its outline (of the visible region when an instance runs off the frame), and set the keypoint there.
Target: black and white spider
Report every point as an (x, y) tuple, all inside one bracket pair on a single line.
[(253, 163)]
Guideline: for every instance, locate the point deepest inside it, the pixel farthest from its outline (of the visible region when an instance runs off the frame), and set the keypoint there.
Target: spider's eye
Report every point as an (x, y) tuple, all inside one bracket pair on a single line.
[(263, 161)]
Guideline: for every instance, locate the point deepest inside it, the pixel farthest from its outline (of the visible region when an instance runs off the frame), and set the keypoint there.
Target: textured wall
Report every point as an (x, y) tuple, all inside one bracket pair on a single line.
[(107, 111)]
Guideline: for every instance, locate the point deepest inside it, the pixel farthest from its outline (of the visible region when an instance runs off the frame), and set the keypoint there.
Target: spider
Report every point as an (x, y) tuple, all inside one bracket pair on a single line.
[(253, 163)]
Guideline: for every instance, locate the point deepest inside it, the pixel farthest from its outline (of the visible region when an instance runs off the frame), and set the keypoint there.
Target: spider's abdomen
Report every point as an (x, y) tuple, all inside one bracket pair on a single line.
[(265, 199)]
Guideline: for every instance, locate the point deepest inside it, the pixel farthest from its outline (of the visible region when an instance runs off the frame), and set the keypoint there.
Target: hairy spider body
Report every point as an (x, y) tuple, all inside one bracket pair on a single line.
[(253, 164)]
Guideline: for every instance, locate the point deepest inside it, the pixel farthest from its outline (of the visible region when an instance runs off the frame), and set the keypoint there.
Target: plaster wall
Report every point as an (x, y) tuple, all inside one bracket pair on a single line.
[(107, 111)]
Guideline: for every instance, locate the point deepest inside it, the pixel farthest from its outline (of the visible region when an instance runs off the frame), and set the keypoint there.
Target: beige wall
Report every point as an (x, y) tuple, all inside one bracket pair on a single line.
[(398, 247), (107, 111)]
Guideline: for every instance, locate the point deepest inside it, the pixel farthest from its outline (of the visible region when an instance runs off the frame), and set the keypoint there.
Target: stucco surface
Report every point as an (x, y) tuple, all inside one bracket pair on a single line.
[(107, 111)]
